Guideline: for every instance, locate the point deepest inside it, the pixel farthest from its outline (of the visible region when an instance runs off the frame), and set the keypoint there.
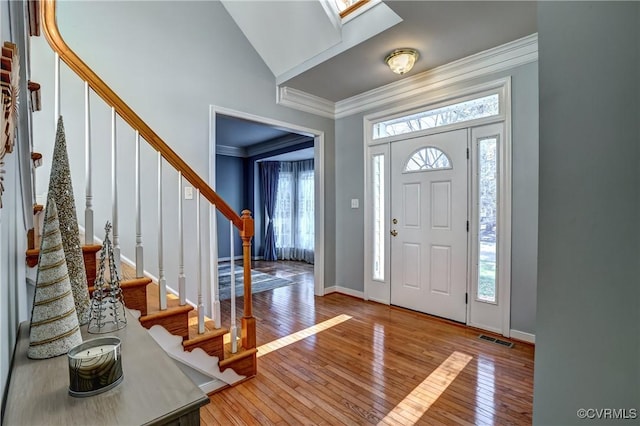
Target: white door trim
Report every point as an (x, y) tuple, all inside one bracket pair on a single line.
[(503, 86), (488, 315), (319, 177), (377, 290)]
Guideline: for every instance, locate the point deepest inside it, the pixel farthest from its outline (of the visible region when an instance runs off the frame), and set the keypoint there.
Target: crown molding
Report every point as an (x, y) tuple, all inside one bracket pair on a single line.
[(510, 55), (507, 56), (303, 101), (273, 145), (231, 151), (261, 148)]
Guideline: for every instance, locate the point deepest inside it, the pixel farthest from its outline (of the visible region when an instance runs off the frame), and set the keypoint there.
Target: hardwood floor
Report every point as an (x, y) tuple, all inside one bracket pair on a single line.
[(346, 361)]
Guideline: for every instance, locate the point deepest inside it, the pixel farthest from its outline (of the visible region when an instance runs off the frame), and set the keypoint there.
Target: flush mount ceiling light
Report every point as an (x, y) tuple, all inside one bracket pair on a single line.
[(401, 60)]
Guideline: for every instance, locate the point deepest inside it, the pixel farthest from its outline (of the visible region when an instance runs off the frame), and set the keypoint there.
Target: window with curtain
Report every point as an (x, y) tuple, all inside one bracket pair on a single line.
[(293, 220)]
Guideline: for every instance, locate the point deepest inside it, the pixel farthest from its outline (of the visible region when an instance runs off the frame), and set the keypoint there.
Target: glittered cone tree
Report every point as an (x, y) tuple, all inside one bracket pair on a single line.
[(54, 322), (61, 190), (107, 312)]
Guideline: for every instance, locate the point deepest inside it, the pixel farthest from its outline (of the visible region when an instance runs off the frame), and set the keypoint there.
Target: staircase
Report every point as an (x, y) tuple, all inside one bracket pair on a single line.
[(178, 325)]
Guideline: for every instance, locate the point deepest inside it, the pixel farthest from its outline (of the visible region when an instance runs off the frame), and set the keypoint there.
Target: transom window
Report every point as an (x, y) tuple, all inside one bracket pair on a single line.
[(473, 109), (427, 158)]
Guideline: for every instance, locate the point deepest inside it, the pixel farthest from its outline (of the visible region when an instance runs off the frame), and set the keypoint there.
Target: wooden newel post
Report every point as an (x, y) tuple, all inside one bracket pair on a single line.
[(248, 321)]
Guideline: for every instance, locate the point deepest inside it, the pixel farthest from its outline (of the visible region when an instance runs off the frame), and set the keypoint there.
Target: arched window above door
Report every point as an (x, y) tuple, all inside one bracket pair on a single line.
[(428, 158)]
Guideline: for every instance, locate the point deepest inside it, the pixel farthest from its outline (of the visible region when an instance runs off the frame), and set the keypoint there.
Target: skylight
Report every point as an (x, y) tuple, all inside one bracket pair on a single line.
[(345, 7)]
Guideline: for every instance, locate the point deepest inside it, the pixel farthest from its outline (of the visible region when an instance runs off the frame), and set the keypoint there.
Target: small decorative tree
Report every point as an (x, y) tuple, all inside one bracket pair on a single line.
[(107, 312), (54, 323), (61, 190)]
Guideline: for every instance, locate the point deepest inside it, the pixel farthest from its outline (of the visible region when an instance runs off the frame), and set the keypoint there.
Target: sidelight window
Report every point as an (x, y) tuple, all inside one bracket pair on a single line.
[(487, 208), (378, 217)]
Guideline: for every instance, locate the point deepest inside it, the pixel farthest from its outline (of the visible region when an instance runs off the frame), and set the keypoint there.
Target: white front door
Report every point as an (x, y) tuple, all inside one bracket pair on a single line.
[(429, 224)]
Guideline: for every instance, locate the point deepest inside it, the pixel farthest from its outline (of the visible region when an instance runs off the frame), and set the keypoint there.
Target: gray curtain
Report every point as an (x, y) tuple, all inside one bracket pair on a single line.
[(294, 211), (269, 171)]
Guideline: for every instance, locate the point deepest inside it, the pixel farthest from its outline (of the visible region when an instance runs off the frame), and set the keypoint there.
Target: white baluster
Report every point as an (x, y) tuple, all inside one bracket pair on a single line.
[(162, 282), (88, 210), (213, 247), (182, 291), (114, 192), (139, 247), (56, 91), (199, 268), (234, 327)]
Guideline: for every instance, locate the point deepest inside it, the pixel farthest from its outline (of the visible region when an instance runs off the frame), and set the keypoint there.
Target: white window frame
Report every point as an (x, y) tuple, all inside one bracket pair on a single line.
[(502, 87), (404, 117), (427, 169), (374, 288)]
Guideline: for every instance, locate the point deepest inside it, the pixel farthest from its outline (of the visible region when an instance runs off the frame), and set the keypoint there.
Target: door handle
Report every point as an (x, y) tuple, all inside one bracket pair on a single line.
[(394, 232)]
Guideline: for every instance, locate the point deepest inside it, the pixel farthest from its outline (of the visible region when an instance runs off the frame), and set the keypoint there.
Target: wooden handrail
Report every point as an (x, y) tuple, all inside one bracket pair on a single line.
[(245, 223), (73, 61)]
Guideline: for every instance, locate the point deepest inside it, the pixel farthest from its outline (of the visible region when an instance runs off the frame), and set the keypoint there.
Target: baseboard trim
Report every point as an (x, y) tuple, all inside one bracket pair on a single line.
[(381, 301), (525, 337), (227, 259), (213, 386), (344, 290)]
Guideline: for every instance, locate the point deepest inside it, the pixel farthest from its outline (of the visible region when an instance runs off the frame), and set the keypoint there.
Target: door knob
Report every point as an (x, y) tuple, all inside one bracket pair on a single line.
[(394, 232)]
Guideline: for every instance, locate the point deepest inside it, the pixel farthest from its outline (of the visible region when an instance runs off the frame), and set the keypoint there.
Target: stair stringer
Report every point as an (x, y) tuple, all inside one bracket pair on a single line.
[(197, 359)]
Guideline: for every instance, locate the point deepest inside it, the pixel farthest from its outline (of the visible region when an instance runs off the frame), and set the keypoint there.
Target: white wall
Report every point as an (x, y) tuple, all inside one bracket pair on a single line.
[(588, 320), (350, 184), (14, 221), (169, 61)]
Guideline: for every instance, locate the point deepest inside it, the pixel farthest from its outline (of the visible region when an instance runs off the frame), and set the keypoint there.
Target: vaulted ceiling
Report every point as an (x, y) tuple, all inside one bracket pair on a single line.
[(305, 51), (308, 51)]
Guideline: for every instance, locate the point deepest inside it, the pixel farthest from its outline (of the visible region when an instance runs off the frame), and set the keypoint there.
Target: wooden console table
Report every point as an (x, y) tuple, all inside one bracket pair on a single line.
[(154, 390)]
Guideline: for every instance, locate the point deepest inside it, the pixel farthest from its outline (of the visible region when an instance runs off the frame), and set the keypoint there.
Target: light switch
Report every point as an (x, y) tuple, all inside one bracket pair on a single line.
[(188, 193), (355, 203)]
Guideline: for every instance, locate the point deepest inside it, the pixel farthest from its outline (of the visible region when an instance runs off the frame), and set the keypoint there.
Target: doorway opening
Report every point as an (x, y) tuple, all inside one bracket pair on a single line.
[(239, 144)]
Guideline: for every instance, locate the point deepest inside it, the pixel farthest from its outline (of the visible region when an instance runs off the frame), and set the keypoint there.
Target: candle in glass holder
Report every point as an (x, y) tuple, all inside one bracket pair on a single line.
[(95, 366)]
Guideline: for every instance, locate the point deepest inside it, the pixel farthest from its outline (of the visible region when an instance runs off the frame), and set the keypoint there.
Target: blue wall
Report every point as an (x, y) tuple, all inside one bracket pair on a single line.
[(238, 182), (230, 185), (588, 318)]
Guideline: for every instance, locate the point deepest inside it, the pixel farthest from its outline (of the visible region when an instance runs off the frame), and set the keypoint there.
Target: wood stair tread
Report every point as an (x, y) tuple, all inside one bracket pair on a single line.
[(153, 298), (85, 248), (231, 357), (129, 284), (135, 282), (211, 341), (242, 362), (173, 301), (209, 325), (34, 253), (195, 338), (170, 311)]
